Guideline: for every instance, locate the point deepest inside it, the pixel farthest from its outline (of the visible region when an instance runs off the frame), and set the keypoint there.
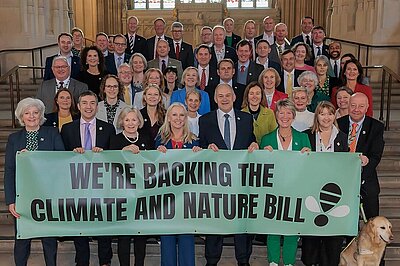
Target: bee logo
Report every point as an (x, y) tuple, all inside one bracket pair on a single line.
[(329, 196)]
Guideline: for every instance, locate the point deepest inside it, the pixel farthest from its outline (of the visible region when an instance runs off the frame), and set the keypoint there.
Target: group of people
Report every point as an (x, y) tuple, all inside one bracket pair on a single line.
[(259, 92)]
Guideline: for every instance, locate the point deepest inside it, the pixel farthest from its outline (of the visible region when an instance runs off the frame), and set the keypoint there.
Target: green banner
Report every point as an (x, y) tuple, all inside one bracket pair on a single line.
[(225, 192)]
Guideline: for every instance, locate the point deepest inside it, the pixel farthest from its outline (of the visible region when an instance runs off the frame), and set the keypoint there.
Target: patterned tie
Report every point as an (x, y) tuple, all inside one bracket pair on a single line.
[(88, 138), (177, 50), (252, 51), (60, 85), (308, 40), (131, 43), (119, 61), (242, 68), (289, 85), (127, 96), (227, 132), (353, 138), (203, 79), (280, 49)]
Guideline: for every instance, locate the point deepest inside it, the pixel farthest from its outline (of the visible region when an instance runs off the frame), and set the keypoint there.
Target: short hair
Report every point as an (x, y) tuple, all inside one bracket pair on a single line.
[(321, 58), (287, 51), (100, 55), (308, 50), (159, 19), (176, 24), (348, 55), (279, 25), (260, 41), (123, 65), (203, 46), (61, 58), (222, 85), (132, 17), (102, 34), (124, 112), (25, 104), (76, 29), (344, 88), (243, 43), (299, 89), (102, 93), (226, 60), (206, 28), (87, 93), (318, 28), (64, 34), (119, 35), (320, 107), (72, 108), (141, 56), (186, 71), (307, 17), (267, 17), (164, 41), (227, 19), (248, 22), (218, 27), (329, 45), (308, 74), (169, 69), (285, 103), (270, 69), (195, 92), (359, 68), (251, 85)]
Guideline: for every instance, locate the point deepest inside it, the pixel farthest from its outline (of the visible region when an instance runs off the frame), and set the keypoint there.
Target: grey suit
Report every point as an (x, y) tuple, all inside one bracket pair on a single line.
[(102, 113), (274, 55), (171, 62), (47, 91)]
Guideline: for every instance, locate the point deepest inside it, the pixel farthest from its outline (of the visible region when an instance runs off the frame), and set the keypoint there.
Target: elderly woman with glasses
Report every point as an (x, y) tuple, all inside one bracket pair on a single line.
[(32, 137)]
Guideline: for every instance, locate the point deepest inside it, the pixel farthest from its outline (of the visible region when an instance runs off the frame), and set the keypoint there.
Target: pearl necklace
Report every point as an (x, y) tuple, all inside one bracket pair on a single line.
[(134, 139)]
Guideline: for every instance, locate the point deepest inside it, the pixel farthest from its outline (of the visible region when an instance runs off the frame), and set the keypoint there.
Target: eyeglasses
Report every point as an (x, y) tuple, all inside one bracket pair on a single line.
[(61, 67), (119, 44), (112, 86), (125, 72), (176, 31)]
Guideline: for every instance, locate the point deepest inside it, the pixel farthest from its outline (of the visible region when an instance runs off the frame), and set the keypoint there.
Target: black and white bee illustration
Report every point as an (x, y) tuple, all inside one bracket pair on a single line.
[(329, 196)]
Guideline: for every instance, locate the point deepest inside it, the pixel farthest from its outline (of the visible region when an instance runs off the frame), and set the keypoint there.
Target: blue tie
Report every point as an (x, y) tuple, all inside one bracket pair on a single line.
[(88, 137), (227, 132)]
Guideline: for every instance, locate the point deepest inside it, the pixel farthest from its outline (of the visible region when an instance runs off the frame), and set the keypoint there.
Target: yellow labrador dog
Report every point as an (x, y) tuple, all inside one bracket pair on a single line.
[(368, 247)]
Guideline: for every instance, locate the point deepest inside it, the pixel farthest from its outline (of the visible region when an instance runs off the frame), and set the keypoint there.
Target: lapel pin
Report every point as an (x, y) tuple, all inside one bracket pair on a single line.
[(142, 144), (296, 143), (363, 132), (184, 146), (145, 120), (238, 118), (41, 139), (100, 128), (338, 143), (250, 74)]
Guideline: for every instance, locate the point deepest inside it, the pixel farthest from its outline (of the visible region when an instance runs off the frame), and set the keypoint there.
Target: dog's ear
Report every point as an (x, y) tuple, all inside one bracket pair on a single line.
[(371, 230)]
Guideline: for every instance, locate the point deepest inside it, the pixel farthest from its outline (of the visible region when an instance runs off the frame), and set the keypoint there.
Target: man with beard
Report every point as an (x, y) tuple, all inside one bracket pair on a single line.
[(335, 50)]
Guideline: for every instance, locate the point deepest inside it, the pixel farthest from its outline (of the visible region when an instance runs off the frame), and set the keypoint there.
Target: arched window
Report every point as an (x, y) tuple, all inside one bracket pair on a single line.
[(170, 4)]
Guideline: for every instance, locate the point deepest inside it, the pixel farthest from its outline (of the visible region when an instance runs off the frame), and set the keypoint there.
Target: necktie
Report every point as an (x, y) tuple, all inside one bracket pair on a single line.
[(227, 132), (308, 40), (319, 50), (127, 96), (203, 79), (353, 137), (335, 69), (280, 49), (242, 68), (177, 50), (289, 85), (131, 43), (88, 137), (163, 65), (60, 85), (252, 51), (119, 61)]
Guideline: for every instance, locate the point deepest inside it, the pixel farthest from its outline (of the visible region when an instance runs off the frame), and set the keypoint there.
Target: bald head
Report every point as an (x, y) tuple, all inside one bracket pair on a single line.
[(358, 106)]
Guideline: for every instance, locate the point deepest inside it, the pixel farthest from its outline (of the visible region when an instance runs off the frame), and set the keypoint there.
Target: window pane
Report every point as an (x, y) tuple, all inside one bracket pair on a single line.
[(247, 3), (232, 3), (262, 3), (215, 1), (200, 1), (140, 4), (154, 4), (186, 1), (169, 4)]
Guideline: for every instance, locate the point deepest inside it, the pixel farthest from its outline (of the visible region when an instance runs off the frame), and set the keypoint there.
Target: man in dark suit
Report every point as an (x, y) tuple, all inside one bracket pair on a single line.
[(102, 43), (335, 51), (207, 73), (64, 42), (281, 43), (249, 33), (268, 34), (49, 88), (289, 74), (162, 61), (89, 133), (226, 72), (263, 49), (115, 59), (246, 70), (219, 50), (179, 49), (366, 138), (307, 24), (151, 43), (231, 39), (237, 134), (318, 47), (136, 43)]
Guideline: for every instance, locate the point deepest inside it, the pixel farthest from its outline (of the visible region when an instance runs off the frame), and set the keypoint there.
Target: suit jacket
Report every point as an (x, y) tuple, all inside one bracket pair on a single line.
[(102, 113), (47, 91), (367, 90), (239, 92), (299, 140), (168, 145), (180, 96), (274, 54), (138, 47), (110, 63), (171, 62), (150, 46), (371, 144), (340, 141), (75, 67), (52, 119), (253, 72), (71, 134), (281, 86), (212, 83), (49, 140), (185, 54), (325, 51), (235, 39), (278, 95), (259, 37), (209, 131), (229, 53), (297, 39)]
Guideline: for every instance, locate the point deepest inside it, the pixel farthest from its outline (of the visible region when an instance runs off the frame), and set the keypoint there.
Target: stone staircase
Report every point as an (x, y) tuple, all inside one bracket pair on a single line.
[(388, 171)]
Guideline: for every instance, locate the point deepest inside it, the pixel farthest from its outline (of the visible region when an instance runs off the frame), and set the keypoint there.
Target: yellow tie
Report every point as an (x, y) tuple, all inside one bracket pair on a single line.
[(289, 86), (127, 96)]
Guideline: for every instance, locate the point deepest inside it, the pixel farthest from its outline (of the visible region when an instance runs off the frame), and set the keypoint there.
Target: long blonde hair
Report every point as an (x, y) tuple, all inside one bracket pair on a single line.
[(165, 131)]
